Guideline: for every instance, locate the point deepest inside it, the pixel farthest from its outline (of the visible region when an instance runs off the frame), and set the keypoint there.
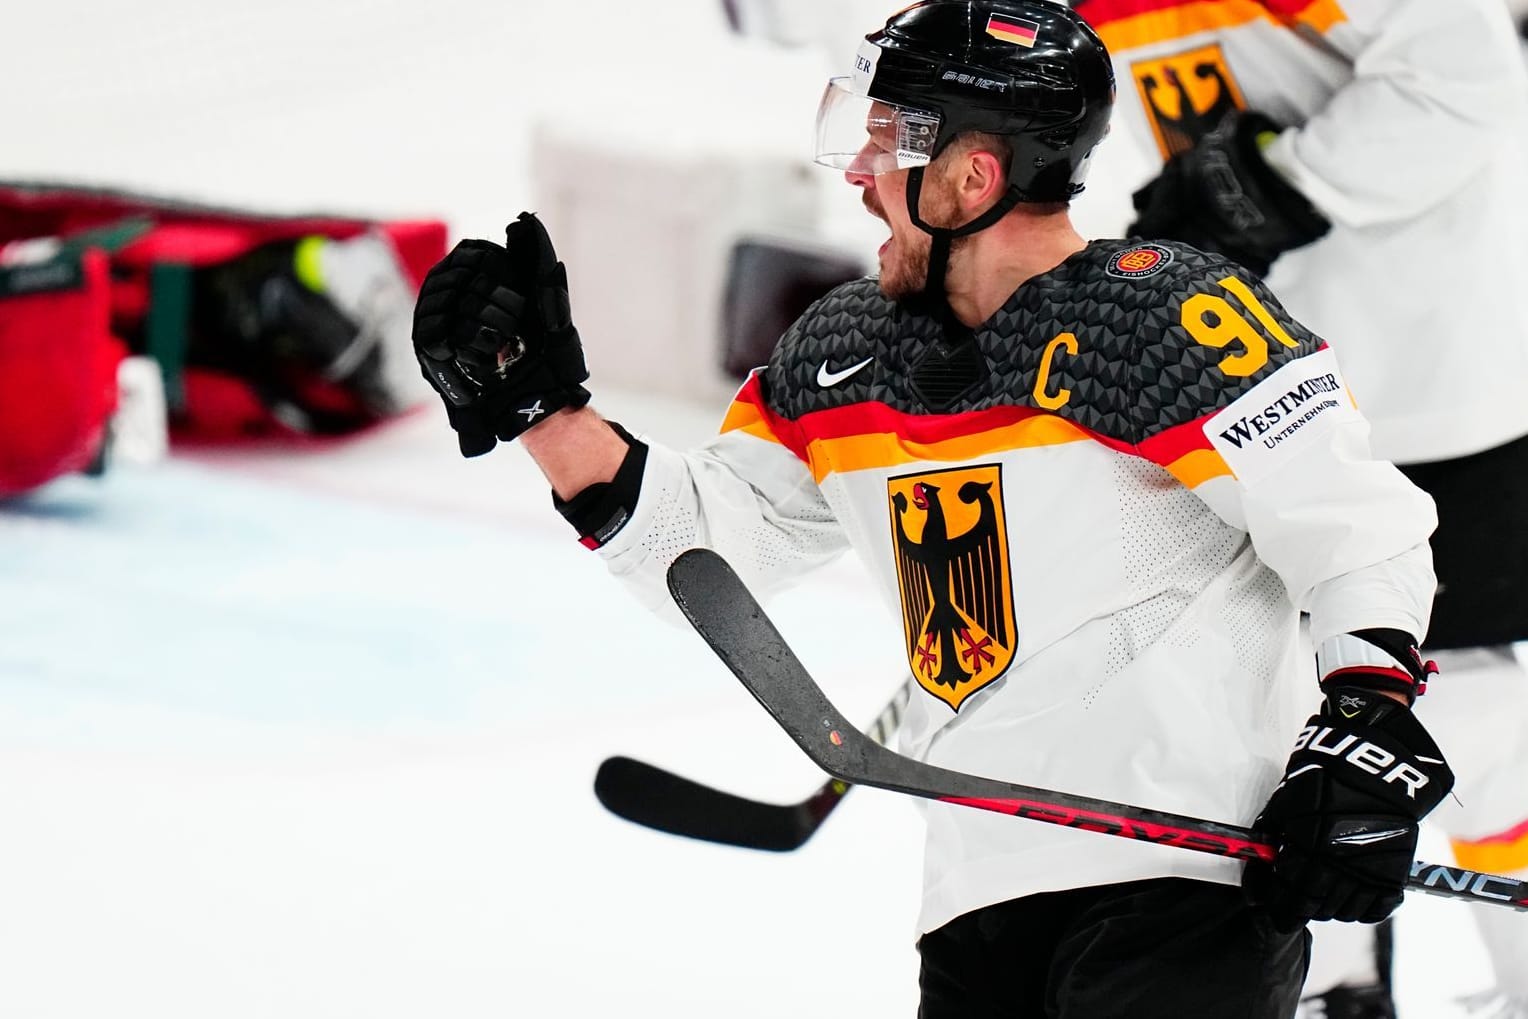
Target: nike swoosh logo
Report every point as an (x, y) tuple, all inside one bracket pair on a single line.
[(828, 379)]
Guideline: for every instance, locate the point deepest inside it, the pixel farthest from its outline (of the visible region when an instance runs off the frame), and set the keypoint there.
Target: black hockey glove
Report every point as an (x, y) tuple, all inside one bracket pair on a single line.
[(1344, 819), (1222, 196), (495, 337)]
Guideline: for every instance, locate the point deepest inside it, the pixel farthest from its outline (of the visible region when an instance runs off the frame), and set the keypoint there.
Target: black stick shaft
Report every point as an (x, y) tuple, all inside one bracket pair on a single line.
[(726, 615)]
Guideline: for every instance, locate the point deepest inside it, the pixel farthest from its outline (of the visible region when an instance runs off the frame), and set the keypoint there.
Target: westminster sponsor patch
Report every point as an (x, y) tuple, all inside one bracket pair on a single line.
[(1139, 262), (951, 540), (865, 62), (1281, 415)]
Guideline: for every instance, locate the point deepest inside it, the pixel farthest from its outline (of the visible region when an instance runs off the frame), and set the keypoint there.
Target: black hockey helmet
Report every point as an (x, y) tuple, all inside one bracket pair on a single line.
[(1030, 71)]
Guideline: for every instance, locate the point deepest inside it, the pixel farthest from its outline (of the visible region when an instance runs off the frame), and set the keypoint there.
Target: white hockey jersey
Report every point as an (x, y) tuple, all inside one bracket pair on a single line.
[(1408, 128), (1096, 520)]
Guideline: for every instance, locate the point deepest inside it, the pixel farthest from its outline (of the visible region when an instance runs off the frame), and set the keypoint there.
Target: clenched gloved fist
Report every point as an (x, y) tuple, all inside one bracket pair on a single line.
[(1222, 196), (1344, 819), (494, 335)]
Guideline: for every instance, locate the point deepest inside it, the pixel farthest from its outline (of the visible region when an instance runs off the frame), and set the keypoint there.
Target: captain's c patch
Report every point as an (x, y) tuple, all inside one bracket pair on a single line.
[(951, 541)]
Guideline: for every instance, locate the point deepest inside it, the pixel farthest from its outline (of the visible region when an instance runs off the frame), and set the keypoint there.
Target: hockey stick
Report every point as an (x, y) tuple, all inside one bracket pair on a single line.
[(655, 798), (731, 621)]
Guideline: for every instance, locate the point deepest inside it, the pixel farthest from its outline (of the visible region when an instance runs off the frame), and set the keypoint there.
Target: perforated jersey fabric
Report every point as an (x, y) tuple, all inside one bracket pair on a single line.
[(1094, 549)]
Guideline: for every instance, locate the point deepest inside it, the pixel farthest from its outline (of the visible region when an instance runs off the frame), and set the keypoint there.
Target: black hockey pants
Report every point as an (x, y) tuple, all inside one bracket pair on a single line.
[(1167, 948)]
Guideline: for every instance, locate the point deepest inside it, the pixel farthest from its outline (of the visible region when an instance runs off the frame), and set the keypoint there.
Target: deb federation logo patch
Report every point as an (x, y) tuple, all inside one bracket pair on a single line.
[(951, 543), (1014, 30), (1139, 262)]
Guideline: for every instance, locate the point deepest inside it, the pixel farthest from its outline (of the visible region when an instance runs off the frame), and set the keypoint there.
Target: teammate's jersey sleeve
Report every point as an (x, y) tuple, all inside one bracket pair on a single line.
[(745, 494), (1250, 410), (1443, 76)]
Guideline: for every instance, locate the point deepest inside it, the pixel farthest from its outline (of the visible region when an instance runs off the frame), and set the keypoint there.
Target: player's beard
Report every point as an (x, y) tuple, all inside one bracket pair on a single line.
[(905, 265)]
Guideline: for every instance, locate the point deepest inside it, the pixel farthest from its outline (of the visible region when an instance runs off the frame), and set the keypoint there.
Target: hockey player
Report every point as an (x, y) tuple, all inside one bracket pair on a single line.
[(1374, 154), (1100, 481)]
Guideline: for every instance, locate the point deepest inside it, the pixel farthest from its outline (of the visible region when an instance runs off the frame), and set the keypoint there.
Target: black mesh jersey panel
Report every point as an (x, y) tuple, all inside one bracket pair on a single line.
[(1137, 370)]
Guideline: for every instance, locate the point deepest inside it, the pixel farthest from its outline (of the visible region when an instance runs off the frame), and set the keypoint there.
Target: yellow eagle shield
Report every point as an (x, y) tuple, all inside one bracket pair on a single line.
[(1185, 95), (951, 542)]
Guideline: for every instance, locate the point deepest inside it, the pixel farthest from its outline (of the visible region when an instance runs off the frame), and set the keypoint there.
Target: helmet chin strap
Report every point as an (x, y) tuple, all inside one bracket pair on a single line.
[(935, 296)]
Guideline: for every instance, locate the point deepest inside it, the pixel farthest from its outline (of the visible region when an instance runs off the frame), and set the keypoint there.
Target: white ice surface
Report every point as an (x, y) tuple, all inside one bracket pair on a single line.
[(312, 735)]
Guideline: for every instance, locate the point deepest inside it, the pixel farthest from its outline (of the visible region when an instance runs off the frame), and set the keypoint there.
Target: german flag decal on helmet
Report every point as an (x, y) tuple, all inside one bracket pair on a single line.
[(1015, 30), (951, 543)]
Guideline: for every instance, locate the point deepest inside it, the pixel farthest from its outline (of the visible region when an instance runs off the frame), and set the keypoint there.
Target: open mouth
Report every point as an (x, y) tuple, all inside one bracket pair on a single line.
[(876, 211)]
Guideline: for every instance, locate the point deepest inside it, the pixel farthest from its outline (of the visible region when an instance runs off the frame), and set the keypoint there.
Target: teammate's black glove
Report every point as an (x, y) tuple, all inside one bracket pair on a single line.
[(1222, 196), (1344, 819), (495, 337)]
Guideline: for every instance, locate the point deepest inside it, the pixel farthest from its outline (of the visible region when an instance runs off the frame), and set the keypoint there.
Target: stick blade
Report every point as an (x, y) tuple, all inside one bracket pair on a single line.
[(658, 799)]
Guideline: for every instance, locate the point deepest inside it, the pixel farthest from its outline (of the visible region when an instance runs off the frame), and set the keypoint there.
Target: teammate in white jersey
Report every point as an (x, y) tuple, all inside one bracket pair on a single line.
[(1374, 153), (1097, 482)]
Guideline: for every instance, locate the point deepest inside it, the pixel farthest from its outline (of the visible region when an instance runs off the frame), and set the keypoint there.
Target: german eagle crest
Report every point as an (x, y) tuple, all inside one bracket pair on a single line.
[(951, 545)]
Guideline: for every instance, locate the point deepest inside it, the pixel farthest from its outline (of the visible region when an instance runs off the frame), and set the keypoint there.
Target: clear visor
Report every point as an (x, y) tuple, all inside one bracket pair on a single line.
[(864, 135)]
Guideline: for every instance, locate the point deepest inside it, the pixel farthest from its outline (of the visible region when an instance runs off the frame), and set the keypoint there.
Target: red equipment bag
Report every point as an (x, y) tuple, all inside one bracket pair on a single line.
[(261, 324)]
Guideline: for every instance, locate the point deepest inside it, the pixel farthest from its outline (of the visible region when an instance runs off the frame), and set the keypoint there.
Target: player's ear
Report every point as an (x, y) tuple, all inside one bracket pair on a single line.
[(980, 180)]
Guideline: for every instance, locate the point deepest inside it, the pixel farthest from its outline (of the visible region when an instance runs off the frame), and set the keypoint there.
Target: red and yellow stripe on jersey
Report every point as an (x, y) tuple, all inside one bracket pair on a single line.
[(865, 436), (1128, 24)]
